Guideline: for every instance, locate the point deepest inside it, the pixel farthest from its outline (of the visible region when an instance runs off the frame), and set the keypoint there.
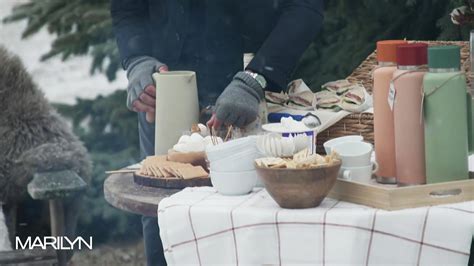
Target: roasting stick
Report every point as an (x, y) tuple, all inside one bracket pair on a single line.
[(123, 171), (229, 131), (215, 137), (212, 136)]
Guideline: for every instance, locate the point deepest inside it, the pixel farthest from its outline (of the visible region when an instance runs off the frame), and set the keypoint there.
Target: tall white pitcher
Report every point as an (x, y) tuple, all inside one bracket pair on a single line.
[(177, 107)]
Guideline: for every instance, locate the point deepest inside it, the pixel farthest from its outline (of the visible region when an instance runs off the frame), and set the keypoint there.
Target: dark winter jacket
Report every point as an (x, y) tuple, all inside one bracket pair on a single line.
[(210, 36)]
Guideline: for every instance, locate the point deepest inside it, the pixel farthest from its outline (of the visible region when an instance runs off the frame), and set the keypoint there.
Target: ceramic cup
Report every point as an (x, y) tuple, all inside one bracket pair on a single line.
[(331, 143), (360, 174), (354, 153)]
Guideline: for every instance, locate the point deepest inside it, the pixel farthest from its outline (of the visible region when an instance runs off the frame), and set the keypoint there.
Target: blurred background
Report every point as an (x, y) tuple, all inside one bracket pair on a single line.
[(69, 48)]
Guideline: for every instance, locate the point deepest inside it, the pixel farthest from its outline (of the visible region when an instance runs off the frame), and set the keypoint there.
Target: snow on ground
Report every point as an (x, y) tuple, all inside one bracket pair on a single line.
[(62, 82)]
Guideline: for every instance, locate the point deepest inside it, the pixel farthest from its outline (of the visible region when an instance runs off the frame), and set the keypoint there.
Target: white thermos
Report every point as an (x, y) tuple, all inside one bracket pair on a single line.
[(177, 107)]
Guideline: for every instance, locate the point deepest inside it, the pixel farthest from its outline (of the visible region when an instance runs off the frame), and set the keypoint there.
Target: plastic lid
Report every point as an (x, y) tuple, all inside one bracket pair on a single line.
[(446, 56), (412, 54), (387, 50)]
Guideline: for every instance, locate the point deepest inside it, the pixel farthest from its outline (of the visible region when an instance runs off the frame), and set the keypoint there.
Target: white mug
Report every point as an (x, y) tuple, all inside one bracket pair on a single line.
[(354, 153), (359, 174), (333, 142)]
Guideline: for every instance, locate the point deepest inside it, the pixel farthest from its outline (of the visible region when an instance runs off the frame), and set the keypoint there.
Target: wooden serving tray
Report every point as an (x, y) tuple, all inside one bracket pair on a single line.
[(172, 183), (391, 197)]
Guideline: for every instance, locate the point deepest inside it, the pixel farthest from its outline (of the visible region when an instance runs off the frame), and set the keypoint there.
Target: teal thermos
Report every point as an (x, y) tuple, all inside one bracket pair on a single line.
[(445, 116)]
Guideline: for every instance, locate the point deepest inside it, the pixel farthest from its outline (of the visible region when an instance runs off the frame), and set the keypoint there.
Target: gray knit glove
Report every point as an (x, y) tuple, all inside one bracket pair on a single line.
[(139, 73), (238, 104)]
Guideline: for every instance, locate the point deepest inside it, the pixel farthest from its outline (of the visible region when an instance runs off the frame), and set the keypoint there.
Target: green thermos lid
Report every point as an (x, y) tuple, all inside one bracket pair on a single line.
[(445, 56)]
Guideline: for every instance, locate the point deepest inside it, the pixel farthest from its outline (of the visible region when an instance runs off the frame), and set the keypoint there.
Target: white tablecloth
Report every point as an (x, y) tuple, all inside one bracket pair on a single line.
[(201, 227)]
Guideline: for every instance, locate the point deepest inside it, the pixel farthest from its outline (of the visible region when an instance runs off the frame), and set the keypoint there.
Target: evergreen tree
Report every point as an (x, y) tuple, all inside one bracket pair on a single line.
[(350, 31), (82, 27)]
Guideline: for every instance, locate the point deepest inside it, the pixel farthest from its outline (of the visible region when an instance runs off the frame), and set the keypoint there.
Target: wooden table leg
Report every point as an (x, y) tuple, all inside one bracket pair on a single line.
[(56, 210)]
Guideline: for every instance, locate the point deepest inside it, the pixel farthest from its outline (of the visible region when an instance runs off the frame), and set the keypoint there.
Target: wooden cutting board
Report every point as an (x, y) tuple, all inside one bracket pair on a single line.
[(170, 182)]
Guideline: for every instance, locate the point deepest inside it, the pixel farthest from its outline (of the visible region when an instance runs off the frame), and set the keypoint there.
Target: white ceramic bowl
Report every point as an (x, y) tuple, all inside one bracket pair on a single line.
[(235, 163), (234, 183), (259, 182), (233, 156), (332, 142), (230, 148)]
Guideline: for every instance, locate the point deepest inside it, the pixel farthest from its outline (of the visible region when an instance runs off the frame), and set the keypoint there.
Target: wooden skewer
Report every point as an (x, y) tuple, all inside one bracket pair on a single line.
[(229, 130), (212, 135), (215, 137), (124, 171), (211, 132)]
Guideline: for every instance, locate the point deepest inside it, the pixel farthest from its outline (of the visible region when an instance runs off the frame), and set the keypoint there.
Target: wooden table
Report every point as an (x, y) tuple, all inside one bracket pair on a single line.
[(122, 193)]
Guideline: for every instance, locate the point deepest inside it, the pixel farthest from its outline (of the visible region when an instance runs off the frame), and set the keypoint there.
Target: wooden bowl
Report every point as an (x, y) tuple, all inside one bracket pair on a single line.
[(299, 188)]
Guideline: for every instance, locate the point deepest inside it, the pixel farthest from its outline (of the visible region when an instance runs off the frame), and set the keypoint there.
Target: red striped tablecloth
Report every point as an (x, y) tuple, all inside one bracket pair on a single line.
[(201, 227)]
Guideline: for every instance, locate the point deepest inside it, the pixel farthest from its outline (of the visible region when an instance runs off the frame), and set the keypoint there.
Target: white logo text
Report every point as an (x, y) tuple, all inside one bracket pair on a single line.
[(55, 242)]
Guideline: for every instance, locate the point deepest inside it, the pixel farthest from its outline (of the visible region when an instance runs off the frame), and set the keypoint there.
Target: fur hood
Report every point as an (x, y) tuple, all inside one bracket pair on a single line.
[(33, 136)]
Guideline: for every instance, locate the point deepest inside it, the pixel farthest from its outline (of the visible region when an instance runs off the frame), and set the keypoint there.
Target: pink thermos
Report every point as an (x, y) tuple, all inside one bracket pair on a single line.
[(383, 115), (407, 113)]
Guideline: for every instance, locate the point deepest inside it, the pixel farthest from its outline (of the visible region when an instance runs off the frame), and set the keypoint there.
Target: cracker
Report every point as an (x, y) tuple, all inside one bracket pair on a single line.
[(270, 161), (158, 166), (192, 172), (165, 172), (301, 154), (291, 164), (147, 170), (156, 171), (173, 171), (301, 160), (282, 164)]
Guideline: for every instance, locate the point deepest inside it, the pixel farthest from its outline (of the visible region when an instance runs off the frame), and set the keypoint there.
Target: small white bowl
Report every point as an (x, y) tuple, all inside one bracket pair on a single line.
[(234, 183), (332, 142), (218, 152), (233, 156), (232, 164), (259, 182), (233, 146), (241, 161)]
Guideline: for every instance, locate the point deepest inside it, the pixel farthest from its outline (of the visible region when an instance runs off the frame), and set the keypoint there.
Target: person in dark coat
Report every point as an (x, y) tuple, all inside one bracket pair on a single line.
[(210, 38)]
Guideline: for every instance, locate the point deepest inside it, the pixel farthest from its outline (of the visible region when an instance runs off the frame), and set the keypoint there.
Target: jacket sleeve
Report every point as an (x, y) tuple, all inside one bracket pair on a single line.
[(130, 20), (296, 28)]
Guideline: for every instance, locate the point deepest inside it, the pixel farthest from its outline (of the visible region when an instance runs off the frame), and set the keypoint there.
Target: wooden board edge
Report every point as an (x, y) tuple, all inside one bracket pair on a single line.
[(432, 194), (169, 183), (357, 193), (397, 198)]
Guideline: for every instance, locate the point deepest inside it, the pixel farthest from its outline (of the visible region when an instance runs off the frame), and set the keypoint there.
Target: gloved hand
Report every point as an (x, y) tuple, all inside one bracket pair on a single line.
[(238, 104), (141, 88)]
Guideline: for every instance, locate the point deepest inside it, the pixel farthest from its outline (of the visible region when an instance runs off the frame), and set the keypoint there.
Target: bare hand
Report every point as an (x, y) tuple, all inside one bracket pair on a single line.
[(214, 122), (146, 101)]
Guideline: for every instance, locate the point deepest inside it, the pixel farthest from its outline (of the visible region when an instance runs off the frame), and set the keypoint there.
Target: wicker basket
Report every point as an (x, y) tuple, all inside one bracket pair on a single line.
[(363, 123)]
